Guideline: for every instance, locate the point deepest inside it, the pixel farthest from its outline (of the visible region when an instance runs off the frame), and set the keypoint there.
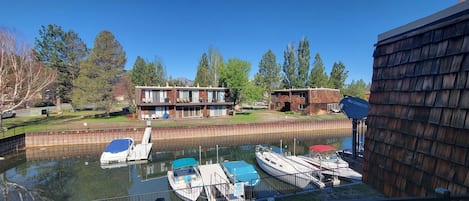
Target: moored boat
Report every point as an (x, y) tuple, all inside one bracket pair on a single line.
[(327, 159), (185, 179), (117, 151), (289, 170), (241, 172)]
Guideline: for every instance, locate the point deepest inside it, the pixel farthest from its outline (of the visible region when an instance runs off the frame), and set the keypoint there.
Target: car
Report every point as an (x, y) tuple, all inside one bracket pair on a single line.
[(8, 114)]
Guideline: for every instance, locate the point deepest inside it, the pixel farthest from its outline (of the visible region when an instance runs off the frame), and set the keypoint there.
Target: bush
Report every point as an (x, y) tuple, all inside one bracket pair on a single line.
[(42, 103), (290, 112)]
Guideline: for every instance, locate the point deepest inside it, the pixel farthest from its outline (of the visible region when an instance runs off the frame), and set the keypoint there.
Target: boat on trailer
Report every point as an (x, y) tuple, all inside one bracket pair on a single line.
[(326, 158), (185, 179), (241, 172), (290, 169)]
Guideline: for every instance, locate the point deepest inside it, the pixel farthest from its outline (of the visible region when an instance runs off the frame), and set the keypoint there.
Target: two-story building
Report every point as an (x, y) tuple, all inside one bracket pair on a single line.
[(181, 102), (307, 101)]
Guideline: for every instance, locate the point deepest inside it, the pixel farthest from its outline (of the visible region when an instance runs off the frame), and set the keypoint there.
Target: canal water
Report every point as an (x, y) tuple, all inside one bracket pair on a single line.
[(74, 172)]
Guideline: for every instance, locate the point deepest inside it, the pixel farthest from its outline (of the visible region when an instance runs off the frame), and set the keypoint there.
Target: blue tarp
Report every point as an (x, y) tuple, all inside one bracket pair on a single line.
[(244, 172), (184, 162), (118, 145)]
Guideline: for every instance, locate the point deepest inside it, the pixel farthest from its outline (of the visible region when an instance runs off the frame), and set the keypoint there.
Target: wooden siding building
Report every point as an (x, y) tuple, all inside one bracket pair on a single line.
[(181, 102), (307, 101), (417, 138)]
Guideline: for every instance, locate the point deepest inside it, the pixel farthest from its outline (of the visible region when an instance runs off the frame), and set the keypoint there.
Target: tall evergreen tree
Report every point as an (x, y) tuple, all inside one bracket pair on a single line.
[(338, 76), (215, 60), (63, 52), (289, 67), (318, 76), (142, 74), (202, 77), (268, 75), (99, 72), (303, 63)]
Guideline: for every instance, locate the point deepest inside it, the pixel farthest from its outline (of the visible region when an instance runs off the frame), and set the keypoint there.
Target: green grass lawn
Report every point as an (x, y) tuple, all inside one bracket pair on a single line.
[(76, 121)]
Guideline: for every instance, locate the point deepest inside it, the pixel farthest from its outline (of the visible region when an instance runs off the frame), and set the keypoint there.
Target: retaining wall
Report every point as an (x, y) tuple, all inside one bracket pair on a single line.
[(11, 144), (105, 136)]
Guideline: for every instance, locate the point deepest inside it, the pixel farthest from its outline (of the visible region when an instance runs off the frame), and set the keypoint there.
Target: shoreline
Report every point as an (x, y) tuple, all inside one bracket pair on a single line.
[(45, 139)]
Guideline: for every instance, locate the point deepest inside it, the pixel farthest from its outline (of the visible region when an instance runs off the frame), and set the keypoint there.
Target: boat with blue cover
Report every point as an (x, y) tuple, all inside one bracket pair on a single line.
[(185, 179), (117, 151), (241, 172)]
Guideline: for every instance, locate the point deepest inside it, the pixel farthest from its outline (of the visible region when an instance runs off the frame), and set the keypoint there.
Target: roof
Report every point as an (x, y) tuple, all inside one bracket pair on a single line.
[(184, 162), (426, 21), (180, 88), (321, 148), (305, 89), (119, 145)]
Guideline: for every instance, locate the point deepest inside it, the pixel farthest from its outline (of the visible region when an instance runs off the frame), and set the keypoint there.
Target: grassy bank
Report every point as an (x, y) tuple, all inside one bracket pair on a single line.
[(77, 120)]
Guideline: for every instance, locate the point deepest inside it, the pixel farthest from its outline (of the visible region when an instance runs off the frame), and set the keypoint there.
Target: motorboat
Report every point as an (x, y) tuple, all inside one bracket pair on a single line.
[(185, 179), (241, 172), (122, 150), (326, 158), (290, 169), (117, 151)]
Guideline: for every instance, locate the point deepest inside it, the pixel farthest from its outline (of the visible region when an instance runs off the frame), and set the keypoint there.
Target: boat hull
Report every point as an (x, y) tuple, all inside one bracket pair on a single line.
[(183, 190), (300, 180)]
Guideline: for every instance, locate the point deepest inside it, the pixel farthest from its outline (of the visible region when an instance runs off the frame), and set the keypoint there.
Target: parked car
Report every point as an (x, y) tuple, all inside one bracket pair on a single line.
[(8, 114)]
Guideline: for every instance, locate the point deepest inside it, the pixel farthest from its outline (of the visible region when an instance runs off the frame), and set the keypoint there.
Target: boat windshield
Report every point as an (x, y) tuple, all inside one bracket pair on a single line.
[(184, 172)]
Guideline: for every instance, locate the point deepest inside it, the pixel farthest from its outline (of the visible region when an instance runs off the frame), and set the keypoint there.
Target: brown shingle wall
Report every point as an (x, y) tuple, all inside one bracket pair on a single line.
[(418, 123)]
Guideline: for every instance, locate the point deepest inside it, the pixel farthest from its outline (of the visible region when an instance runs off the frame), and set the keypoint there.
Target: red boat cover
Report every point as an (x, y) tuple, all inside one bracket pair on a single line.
[(321, 148)]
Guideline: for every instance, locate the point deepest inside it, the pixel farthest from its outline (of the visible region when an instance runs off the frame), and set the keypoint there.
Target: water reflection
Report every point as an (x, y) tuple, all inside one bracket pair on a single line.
[(74, 172)]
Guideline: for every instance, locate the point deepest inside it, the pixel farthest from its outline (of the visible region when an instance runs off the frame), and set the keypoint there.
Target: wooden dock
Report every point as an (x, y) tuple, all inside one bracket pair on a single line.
[(215, 180)]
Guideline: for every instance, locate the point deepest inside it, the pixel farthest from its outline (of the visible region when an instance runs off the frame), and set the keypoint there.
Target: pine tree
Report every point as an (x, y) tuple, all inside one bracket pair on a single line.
[(202, 77), (318, 76), (338, 76), (289, 67), (268, 75), (303, 63), (100, 72), (62, 51)]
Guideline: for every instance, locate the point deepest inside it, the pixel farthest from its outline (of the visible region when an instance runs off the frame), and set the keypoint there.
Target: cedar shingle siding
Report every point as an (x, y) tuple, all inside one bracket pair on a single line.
[(418, 124)]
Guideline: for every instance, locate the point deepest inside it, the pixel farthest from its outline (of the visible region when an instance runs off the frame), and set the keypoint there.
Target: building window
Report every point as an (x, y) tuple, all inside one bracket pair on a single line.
[(217, 111), (302, 94), (191, 112), (278, 95), (301, 106), (278, 104)]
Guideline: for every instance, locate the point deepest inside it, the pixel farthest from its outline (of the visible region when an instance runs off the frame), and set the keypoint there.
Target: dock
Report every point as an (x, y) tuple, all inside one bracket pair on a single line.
[(215, 179), (142, 151)]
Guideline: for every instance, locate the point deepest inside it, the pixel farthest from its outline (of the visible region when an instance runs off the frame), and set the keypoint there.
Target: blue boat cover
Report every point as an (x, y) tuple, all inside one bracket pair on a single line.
[(244, 172), (118, 145), (184, 162)]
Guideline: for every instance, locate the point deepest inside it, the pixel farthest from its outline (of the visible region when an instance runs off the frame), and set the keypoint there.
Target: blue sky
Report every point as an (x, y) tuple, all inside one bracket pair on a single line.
[(179, 31)]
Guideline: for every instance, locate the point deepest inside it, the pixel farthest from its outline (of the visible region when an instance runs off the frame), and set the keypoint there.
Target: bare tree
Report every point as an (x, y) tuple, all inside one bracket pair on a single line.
[(21, 76)]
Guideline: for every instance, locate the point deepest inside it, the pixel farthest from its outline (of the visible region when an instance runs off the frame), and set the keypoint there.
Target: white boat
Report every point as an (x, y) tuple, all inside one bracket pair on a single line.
[(326, 158), (290, 169), (185, 179), (117, 151)]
